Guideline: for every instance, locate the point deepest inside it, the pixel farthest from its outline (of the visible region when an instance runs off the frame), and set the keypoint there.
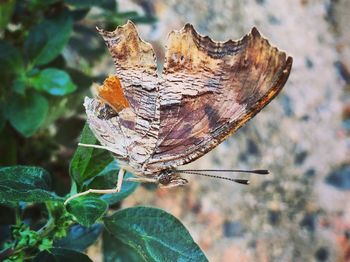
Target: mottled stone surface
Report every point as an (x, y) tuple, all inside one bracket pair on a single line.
[(302, 137)]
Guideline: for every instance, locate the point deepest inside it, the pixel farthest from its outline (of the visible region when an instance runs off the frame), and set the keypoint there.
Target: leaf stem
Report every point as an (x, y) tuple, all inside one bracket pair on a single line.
[(50, 224), (47, 228), (18, 214)]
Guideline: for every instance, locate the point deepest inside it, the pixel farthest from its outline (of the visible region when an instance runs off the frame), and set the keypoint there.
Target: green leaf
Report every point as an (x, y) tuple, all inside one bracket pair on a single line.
[(86, 3), (108, 179), (82, 3), (39, 4), (10, 58), (64, 107), (59, 108), (53, 81), (61, 255), (87, 209), (6, 11), (80, 238), (88, 162), (47, 39), (109, 5), (120, 254), (19, 85), (27, 113), (153, 234), (26, 184)]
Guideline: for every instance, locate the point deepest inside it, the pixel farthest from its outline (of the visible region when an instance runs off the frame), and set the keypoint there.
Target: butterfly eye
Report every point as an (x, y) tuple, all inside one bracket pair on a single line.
[(164, 179), (169, 179), (182, 59)]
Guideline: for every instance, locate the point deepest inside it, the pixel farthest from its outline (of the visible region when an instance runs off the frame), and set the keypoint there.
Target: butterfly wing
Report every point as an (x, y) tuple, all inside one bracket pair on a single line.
[(136, 125), (210, 90), (107, 130)]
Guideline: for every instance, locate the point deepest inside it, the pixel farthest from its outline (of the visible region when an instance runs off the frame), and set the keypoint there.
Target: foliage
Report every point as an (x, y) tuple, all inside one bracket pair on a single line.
[(132, 234), (47, 52)]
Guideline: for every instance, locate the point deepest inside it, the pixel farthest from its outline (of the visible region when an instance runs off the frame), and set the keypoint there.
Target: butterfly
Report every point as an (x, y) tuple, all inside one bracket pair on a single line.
[(153, 123)]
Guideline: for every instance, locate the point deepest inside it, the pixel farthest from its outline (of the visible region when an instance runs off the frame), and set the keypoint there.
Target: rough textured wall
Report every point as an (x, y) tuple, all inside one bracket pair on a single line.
[(301, 212)]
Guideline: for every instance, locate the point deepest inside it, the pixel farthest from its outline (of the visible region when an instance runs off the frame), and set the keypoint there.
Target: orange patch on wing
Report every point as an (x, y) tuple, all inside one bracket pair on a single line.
[(111, 92)]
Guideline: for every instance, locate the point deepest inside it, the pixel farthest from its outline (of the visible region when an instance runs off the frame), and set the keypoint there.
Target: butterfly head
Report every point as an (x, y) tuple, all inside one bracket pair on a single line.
[(170, 179)]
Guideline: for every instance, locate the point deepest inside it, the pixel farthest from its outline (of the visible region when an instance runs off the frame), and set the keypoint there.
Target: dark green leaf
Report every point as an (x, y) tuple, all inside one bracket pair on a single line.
[(19, 86), (53, 81), (80, 238), (154, 234), (144, 19), (64, 107), (58, 108), (47, 39), (82, 3), (40, 4), (10, 58), (6, 11), (88, 162), (108, 179), (121, 17), (61, 255), (109, 5), (27, 113), (87, 209), (26, 184), (32, 72), (120, 254), (87, 3)]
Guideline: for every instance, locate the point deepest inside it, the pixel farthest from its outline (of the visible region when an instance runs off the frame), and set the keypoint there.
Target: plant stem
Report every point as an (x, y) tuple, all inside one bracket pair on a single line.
[(18, 214), (46, 230), (50, 224), (42, 232)]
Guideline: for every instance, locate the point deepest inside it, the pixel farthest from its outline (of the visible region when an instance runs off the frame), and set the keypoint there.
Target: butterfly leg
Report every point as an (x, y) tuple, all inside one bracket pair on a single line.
[(101, 191), (120, 179), (141, 180), (99, 147)]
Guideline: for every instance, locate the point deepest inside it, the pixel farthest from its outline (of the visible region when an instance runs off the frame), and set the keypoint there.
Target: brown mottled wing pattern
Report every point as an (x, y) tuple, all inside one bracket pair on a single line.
[(136, 125), (210, 89), (106, 130)]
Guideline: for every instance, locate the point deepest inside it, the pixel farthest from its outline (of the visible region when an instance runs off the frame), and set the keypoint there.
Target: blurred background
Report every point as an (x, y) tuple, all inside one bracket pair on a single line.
[(51, 54)]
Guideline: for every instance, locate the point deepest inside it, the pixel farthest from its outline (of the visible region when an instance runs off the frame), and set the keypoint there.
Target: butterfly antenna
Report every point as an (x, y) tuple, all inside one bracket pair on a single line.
[(257, 171), (239, 181)]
